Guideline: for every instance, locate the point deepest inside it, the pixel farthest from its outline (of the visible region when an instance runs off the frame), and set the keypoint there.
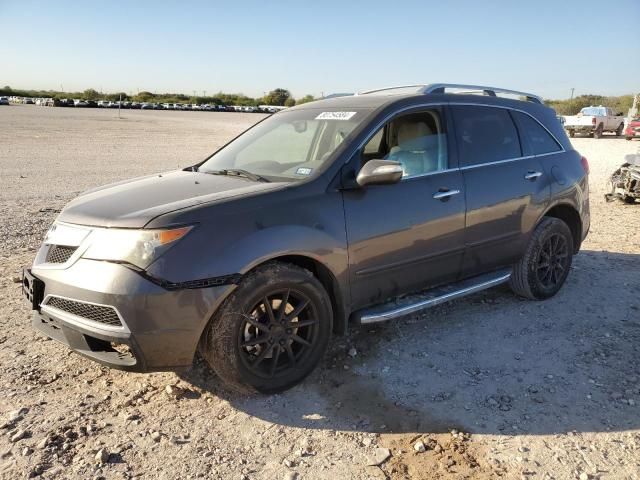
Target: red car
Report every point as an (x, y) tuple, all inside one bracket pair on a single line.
[(633, 129)]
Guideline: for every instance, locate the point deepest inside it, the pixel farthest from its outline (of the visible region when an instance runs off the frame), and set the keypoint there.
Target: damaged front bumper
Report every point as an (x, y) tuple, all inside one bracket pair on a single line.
[(113, 315)]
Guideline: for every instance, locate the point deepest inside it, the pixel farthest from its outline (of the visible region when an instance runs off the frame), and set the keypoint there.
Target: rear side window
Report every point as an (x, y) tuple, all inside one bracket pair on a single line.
[(485, 134), (535, 139)]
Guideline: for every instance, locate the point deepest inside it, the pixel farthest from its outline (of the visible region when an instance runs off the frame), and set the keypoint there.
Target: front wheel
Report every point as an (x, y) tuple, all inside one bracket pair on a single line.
[(572, 133), (271, 332), (628, 138), (543, 269)]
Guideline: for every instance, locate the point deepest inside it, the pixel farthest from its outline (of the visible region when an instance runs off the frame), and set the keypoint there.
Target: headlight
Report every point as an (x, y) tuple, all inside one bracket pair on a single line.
[(137, 247)]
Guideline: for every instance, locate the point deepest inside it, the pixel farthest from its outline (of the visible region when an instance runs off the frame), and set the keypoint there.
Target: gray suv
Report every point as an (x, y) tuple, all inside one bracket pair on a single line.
[(354, 209)]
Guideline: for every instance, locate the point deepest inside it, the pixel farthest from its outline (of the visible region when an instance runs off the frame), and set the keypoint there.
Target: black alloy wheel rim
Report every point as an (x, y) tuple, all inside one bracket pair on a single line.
[(278, 333), (553, 261)]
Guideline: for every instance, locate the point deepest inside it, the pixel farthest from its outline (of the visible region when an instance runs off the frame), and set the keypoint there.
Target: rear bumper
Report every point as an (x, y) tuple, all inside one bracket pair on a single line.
[(631, 132), (158, 329)]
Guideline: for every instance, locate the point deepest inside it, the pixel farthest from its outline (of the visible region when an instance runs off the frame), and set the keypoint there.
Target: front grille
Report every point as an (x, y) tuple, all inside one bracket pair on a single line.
[(59, 253), (97, 313)]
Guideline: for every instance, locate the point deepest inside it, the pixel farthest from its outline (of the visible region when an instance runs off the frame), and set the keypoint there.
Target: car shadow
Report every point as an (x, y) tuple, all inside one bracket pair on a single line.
[(490, 363)]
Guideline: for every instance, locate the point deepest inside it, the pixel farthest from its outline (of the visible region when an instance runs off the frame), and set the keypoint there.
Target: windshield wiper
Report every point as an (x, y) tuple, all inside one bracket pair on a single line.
[(238, 172)]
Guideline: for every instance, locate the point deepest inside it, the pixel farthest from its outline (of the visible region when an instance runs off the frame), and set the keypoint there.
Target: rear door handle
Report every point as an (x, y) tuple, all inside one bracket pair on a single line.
[(445, 194), (531, 175)]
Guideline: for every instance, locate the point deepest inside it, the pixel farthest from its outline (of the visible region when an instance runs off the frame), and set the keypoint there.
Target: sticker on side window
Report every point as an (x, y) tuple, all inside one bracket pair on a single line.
[(335, 115), (304, 171)]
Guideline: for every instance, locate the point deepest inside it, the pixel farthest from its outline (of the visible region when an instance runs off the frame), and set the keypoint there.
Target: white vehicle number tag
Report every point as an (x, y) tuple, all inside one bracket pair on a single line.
[(335, 115)]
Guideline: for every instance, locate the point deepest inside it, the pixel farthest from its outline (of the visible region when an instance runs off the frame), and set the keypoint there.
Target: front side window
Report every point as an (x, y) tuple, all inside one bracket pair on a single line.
[(416, 140), (535, 139), (290, 145), (485, 134)]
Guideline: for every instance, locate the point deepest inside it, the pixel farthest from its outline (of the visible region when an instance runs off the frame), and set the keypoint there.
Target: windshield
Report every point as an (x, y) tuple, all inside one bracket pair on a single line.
[(290, 145), (593, 111)]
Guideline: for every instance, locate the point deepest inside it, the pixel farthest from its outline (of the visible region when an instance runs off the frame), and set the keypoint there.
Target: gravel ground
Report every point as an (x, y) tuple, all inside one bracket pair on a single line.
[(491, 386)]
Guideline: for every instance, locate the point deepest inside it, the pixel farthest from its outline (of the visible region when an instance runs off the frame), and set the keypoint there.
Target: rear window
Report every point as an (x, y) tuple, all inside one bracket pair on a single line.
[(485, 134), (535, 139)]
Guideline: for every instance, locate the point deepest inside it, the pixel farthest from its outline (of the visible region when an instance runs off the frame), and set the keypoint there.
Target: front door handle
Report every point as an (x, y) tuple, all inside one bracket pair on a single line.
[(445, 194), (531, 175)]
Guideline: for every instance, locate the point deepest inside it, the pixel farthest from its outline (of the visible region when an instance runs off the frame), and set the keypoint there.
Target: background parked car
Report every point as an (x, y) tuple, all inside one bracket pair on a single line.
[(633, 129), (4, 101), (594, 121)]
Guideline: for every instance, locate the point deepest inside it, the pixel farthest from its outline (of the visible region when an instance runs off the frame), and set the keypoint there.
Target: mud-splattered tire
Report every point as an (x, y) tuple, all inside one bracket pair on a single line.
[(545, 265), (255, 345)]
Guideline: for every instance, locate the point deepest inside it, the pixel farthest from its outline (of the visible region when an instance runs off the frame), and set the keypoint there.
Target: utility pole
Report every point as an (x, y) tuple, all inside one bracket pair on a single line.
[(572, 93)]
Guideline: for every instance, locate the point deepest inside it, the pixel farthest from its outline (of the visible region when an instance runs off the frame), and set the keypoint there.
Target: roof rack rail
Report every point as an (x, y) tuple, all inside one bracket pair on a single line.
[(468, 89)]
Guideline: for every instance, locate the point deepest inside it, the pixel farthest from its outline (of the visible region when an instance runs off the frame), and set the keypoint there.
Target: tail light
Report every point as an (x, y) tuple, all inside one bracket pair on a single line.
[(593, 120), (585, 164)]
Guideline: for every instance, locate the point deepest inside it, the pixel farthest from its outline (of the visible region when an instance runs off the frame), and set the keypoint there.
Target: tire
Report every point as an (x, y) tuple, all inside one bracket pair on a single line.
[(628, 199), (551, 240), (619, 130), (628, 138), (598, 132), (572, 133), (254, 346)]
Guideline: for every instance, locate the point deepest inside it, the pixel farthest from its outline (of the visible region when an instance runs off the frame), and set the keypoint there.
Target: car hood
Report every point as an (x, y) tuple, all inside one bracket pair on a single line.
[(134, 203)]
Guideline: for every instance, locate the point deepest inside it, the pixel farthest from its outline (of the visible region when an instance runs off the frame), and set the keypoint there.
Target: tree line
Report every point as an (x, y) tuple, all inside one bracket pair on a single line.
[(283, 97), (278, 96)]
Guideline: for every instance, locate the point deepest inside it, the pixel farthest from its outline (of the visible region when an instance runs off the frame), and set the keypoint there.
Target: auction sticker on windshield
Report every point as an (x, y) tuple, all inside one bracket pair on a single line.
[(335, 115)]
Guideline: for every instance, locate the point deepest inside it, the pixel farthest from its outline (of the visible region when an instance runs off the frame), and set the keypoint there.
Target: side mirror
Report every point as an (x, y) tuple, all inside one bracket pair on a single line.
[(379, 172)]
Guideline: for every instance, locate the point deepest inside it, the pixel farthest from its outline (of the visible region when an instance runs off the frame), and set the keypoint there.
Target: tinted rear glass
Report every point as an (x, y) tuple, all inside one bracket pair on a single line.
[(535, 139), (485, 134)]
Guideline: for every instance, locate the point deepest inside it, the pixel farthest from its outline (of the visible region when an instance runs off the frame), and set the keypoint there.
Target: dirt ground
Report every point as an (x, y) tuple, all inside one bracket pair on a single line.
[(492, 385)]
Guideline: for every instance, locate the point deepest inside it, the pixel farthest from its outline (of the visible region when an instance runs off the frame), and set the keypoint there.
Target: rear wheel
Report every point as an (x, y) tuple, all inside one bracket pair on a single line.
[(628, 138), (598, 131), (628, 199), (619, 129), (572, 133), (543, 269), (271, 332)]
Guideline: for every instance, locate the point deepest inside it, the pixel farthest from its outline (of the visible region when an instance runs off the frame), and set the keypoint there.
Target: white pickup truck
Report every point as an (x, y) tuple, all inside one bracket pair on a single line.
[(594, 121)]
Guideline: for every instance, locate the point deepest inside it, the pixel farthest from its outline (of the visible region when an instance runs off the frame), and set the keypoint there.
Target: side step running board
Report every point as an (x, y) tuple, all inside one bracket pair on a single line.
[(430, 298)]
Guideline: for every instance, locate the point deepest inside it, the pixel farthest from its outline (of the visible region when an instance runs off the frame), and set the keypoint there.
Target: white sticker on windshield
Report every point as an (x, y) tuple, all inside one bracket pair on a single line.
[(304, 171), (335, 115)]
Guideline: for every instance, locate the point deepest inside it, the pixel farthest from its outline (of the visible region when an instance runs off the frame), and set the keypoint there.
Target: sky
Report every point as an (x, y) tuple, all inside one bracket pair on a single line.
[(313, 47)]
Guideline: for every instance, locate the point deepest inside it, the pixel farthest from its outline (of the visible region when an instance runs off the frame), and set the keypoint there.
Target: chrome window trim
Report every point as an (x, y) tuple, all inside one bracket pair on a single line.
[(428, 174), (508, 160), (82, 321), (497, 162)]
